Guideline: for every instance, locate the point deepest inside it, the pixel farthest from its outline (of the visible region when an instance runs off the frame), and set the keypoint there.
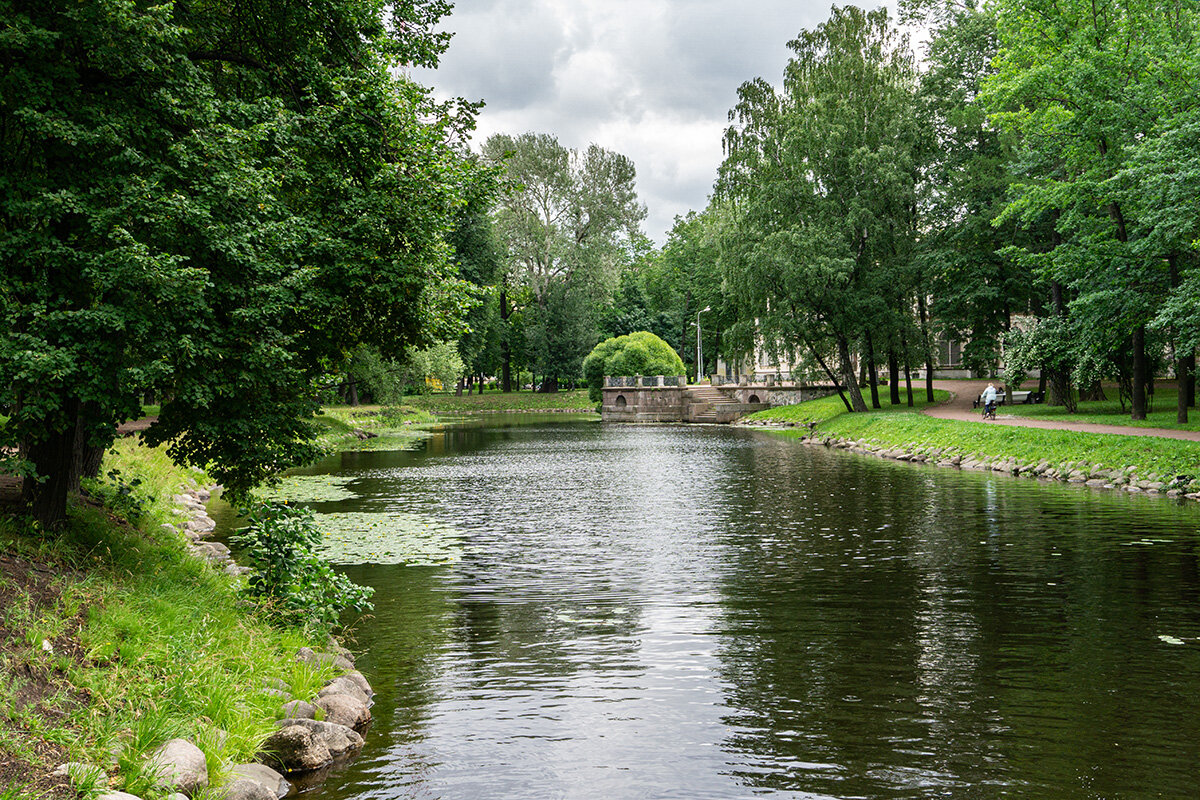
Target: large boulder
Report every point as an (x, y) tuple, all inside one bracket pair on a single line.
[(344, 709), (261, 774), (345, 686), (243, 789), (295, 748), (180, 766), (117, 796), (339, 739)]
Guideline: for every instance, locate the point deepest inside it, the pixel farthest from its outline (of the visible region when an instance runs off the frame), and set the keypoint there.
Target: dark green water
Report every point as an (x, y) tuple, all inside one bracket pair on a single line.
[(682, 612)]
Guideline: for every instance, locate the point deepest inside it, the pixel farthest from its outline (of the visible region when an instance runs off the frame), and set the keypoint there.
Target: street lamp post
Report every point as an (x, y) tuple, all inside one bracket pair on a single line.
[(699, 350)]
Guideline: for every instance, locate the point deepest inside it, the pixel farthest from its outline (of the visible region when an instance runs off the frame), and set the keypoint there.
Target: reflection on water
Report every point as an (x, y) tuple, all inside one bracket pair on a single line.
[(653, 612)]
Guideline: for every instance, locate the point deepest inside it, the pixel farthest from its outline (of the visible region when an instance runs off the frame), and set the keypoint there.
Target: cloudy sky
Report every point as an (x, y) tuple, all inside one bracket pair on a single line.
[(652, 79)]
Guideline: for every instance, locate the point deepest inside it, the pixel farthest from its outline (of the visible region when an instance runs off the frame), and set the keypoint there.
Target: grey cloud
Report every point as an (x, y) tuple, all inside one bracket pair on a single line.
[(653, 79), (503, 52)]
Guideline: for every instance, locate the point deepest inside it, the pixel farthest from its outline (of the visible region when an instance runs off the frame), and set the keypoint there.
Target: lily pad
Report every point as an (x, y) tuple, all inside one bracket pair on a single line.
[(308, 489), (393, 537)]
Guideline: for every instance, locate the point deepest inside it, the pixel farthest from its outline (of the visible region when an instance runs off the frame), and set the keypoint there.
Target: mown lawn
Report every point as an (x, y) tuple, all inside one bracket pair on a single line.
[(1109, 412), (1148, 454), (827, 408)]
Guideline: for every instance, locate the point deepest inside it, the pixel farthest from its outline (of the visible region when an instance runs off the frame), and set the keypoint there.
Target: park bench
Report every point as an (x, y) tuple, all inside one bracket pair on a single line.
[(1022, 398)]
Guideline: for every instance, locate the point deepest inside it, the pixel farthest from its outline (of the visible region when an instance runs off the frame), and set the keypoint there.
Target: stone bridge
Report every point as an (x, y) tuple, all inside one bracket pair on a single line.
[(657, 398)]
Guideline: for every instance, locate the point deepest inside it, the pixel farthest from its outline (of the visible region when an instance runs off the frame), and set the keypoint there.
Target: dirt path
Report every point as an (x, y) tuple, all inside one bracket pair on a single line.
[(963, 394)]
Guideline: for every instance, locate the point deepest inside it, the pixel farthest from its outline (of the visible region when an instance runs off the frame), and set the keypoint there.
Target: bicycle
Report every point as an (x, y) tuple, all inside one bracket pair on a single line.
[(989, 410)]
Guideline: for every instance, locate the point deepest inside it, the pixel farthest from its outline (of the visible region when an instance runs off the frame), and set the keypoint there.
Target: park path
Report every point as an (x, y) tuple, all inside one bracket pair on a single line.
[(964, 392)]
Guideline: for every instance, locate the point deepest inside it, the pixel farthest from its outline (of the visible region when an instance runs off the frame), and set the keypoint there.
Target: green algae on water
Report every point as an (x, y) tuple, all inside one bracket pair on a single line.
[(308, 489), (392, 537)]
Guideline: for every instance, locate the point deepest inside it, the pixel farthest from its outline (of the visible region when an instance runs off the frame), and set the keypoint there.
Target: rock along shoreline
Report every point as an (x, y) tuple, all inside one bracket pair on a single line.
[(1076, 473)]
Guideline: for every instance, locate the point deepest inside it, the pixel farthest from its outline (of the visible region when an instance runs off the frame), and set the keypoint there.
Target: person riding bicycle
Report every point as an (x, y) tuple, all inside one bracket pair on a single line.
[(989, 401)]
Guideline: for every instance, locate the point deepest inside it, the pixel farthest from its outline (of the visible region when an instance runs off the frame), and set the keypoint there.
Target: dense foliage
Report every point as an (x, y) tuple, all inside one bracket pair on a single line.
[(1031, 185), (640, 353), (288, 579), (213, 203)]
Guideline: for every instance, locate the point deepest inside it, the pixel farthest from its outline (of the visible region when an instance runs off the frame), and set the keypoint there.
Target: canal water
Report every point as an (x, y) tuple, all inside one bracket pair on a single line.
[(705, 612)]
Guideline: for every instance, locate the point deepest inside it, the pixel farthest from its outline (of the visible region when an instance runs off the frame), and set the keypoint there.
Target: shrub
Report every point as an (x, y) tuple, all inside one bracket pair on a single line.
[(640, 353), (290, 580)]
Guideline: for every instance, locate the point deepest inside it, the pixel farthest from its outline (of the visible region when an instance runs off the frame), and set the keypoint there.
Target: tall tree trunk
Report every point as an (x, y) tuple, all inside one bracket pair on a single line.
[(907, 373), (894, 376), (1182, 373), (908, 383), (1139, 373), (1059, 381), (1190, 360), (1182, 376), (505, 350), (549, 386), (856, 398), (927, 347), (52, 458), (351, 390), (458, 389), (872, 374), (85, 456)]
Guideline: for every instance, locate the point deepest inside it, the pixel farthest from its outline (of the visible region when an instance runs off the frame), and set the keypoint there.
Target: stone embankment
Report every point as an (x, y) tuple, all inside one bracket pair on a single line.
[(311, 733), (196, 525), (1080, 473)]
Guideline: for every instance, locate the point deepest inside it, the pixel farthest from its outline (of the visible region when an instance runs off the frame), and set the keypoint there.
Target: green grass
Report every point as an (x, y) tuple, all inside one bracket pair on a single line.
[(336, 425), (169, 648), (918, 433), (1148, 455), (827, 408), (374, 416), (449, 404), (1109, 412)]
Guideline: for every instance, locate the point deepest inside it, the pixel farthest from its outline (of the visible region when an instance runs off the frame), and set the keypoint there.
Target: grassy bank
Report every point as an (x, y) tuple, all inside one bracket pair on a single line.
[(449, 404), (340, 426), (1067, 455), (115, 639)]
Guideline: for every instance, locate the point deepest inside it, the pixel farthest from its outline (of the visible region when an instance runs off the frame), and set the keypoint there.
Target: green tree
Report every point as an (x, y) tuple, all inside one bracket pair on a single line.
[(213, 202), (639, 353), (1084, 85), (478, 258), (821, 176), (687, 279), (565, 224), (976, 290)]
